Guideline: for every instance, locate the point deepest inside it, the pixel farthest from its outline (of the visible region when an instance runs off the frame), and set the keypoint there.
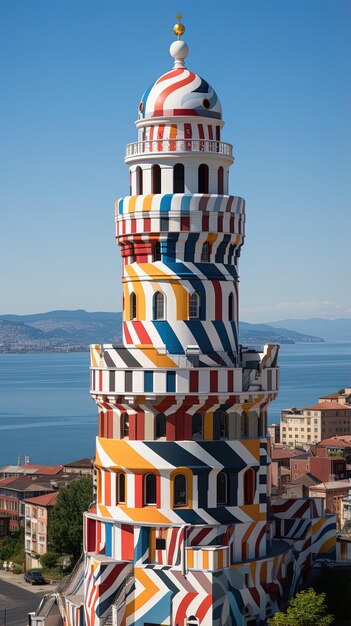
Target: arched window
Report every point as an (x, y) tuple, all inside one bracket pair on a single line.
[(249, 486), (197, 426), (224, 425), (139, 181), (203, 178), (178, 178), (205, 251), (194, 305), (150, 489), (220, 180), (124, 425), (156, 179), (192, 621), (180, 497), (159, 306), (160, 426), (222, 489), (133, 306), (231, 307), (156, 251), (244, 424), (120, 488)]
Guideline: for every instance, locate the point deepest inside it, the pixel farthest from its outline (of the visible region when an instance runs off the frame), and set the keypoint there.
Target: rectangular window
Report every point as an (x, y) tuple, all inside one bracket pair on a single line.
[(148, 381), (171, 381), (164, 225), (160, 544), (129, 381)]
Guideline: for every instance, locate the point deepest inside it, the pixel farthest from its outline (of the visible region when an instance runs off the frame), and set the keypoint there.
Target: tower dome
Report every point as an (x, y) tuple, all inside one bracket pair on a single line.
[(180, 92)]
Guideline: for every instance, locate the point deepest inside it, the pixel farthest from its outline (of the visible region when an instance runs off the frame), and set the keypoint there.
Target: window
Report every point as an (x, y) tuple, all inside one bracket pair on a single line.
[(178, 178), (197, 426), (120, 488), (192, 621), (249, 486), (159, 306), (220, 180), (139, 181), (180, 490), (160, 544), (231, 307), (222, 489), (160, 426), (244, 425), (124, 425), (203, 178), (194, 306), (205, 252), (150, 489), (148, 381), (156, 179), (133, 306), (224, 425), (156, 251)]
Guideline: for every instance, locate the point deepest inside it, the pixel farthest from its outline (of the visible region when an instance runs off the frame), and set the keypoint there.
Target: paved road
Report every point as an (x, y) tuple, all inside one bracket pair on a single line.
[(18, 603)]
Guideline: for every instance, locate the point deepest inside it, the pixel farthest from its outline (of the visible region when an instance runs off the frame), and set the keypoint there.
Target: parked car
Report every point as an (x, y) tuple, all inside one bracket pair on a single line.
[(35, 578)]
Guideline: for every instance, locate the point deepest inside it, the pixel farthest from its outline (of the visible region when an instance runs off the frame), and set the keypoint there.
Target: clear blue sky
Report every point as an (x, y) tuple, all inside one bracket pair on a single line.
[(72, 73)]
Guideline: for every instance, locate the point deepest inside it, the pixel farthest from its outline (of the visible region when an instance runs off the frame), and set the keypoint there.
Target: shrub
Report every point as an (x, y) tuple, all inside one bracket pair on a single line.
[(17, 570), (49, 560)]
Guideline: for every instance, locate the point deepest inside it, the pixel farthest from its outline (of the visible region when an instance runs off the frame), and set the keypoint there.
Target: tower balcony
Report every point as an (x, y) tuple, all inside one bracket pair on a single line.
[(118, 371), (176, 146)]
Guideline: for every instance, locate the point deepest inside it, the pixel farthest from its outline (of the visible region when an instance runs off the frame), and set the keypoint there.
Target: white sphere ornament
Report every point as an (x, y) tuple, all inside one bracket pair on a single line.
[(179, 51)]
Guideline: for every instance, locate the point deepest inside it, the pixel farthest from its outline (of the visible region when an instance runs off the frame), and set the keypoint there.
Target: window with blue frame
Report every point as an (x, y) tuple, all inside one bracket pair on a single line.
[(148, 381), (171, 381)]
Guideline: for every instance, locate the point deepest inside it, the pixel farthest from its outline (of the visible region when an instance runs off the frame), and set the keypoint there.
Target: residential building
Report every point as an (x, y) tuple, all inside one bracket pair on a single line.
[(300, 488), (332, 493), (82, 467), (37, 517), (13, 491), (313, 423), (274, 433), (343, 397), (323, 468)]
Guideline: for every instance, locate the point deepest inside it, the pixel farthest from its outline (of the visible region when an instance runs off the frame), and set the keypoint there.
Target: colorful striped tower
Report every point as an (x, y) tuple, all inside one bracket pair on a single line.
[(179, 533)]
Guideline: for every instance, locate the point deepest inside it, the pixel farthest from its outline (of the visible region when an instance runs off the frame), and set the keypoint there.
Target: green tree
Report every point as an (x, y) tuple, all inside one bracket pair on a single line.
[(308, 608), (66, 522)]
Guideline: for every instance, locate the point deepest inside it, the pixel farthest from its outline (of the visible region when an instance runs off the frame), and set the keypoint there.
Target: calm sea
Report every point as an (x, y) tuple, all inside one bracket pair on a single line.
[(46, 411)]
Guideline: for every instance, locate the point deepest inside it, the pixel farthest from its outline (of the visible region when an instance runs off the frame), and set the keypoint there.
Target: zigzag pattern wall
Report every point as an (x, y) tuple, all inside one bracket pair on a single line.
[(179, 534)]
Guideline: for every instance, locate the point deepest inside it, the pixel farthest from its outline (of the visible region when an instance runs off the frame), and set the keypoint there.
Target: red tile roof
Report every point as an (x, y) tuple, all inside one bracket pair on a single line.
[(330, 395), (24, 483), (48, 499), (81, 463), (343, 441), (328, 406), (284, 453), (47, 470)]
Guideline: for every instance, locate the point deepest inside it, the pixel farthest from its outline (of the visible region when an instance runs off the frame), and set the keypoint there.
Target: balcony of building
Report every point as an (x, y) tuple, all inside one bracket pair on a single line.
[(176, 146), (116, 370)]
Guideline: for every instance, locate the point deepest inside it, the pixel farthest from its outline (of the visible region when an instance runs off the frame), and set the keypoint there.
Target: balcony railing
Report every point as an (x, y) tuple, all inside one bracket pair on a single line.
[(179, 145)]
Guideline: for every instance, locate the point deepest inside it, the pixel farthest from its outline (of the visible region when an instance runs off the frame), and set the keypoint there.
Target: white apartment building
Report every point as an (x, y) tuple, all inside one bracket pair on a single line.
[(313, 423)]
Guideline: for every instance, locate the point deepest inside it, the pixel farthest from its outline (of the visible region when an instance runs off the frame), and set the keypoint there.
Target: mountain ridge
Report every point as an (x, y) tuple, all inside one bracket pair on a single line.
[(73, 330)]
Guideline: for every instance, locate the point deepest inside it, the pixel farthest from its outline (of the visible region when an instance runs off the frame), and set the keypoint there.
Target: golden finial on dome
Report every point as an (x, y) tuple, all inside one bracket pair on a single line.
[(179, 29)]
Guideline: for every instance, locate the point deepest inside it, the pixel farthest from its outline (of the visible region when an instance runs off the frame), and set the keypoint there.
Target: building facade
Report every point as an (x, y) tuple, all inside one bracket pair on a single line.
[(179, 534), (311, 424), (36, 527)]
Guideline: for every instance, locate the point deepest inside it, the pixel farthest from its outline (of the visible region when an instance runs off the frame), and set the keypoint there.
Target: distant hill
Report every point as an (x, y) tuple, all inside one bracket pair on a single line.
[(75, 330), (330, 330), (264, 333)]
